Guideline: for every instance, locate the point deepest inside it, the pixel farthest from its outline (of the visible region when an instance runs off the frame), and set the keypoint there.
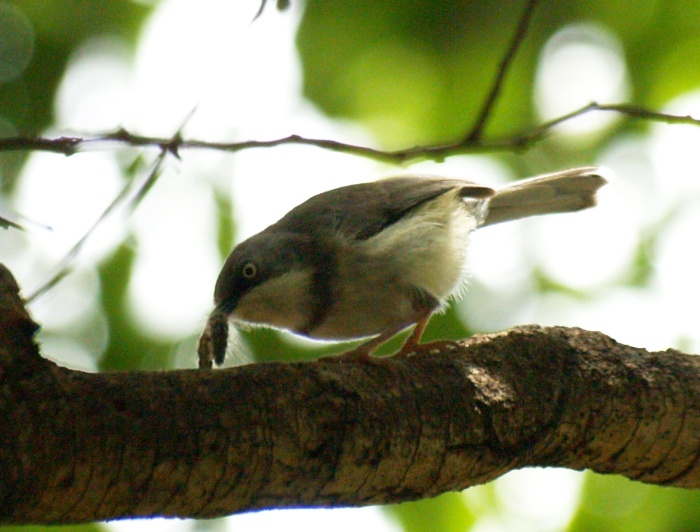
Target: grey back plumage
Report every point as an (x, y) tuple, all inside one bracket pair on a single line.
[(360, 211)]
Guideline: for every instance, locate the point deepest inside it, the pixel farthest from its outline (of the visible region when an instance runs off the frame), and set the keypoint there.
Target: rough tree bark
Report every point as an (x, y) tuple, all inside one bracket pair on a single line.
[(78, 447)]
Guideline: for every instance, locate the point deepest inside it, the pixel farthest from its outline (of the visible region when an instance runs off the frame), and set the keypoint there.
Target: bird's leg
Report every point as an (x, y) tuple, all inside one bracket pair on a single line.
[(363, 352), (413, 345)]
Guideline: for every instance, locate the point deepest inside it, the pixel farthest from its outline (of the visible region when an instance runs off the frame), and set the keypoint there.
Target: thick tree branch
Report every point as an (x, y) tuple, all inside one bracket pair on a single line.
[(80, 447)]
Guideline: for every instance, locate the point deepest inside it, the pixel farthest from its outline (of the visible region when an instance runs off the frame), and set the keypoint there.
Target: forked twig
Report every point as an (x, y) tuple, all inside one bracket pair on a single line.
[(520, 141), (486, 108)]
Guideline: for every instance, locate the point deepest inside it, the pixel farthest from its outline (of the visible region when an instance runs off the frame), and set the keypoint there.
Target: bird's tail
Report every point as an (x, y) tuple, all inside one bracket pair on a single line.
[(567, 191)]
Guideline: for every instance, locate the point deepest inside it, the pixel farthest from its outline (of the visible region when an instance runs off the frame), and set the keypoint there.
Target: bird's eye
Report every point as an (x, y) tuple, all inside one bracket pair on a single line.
[(249, 270)]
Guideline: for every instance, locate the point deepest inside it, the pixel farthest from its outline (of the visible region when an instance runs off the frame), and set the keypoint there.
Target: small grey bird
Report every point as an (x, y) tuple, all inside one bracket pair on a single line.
[(369, 260)]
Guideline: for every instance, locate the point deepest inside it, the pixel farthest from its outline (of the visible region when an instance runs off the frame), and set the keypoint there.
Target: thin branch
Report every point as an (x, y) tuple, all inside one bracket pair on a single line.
[(11, 218), (129, 197), (281, 6), (634, 111), (523, 140), (64, 145), (490, 101)]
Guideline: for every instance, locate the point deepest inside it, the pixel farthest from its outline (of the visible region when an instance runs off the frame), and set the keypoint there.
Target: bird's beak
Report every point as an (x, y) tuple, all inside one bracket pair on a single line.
[(226, 307)]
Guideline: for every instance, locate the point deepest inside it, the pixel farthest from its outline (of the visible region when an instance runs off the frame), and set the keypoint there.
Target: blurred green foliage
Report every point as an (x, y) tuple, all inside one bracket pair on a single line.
[(67, 528), (417, 72), (448, 513), (619, 505), (59, 28), (413, 72)]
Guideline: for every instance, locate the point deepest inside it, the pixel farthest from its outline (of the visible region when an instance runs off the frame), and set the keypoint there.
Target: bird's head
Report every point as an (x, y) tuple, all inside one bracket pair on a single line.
[(266, 280)]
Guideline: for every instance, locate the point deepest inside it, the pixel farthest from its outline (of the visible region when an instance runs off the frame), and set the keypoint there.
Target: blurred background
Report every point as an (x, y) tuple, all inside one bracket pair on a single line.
[(389, 74)]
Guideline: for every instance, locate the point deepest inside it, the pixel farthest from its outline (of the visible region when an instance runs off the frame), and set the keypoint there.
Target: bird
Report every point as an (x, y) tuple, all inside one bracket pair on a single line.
[(367, 261)]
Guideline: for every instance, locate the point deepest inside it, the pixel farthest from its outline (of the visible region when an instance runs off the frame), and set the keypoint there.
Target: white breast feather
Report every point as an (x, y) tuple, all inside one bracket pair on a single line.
[(429, 246)]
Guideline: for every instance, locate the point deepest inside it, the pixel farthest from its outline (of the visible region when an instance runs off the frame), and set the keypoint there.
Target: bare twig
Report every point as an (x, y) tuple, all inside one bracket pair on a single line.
[(478, 128), (11, 218), (129, 197), (281, 6), (520, 141), (625, 109)]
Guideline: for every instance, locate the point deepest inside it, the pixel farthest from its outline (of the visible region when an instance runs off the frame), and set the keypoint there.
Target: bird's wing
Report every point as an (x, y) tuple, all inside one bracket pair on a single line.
[(361, 211)]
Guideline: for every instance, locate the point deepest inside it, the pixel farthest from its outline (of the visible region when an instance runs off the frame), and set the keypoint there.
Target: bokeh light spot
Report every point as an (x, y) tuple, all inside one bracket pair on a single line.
[(580, 64)]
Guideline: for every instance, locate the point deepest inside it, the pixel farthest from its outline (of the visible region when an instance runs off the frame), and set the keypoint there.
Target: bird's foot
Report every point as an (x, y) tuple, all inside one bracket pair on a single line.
[(436, 347), (352, 356)]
